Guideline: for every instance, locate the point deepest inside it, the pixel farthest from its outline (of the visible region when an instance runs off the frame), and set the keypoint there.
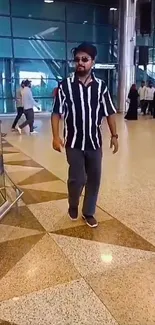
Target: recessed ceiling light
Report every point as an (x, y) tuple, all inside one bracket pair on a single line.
[(113, 9), (48, 1)]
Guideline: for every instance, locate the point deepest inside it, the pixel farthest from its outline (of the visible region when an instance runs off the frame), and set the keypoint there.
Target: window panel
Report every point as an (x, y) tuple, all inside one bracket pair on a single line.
[(38, 29), (92, 14), (5, 48), (90, 33), (8, 106), (5, 26), (4, 7), (35, 49), (103, 53), (38, 9), (43, 87), (38, 69), (144, 40)]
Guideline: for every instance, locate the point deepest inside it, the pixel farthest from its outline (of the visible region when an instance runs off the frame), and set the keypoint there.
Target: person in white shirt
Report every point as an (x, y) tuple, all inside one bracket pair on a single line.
[(142, 96), (28, 103), (19, 105), (149, 96)]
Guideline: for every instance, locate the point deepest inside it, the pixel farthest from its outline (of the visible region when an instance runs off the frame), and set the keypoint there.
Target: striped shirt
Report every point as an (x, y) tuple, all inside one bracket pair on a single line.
[(84, 108)]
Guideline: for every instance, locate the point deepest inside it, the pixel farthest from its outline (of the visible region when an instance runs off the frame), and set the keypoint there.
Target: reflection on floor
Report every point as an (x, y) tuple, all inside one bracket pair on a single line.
[(53, 271)]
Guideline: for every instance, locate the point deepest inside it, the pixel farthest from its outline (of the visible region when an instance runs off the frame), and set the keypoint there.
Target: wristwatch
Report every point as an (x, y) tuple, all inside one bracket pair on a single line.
[(114, 136)]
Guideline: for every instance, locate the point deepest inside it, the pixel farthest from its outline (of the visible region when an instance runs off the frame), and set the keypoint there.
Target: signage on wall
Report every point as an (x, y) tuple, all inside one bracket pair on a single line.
[(104, 66)]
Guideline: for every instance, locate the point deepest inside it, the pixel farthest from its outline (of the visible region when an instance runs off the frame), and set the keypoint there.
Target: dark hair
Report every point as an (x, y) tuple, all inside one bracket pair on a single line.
[(23, 83), (86, 47), (27, 83), (133, 87)]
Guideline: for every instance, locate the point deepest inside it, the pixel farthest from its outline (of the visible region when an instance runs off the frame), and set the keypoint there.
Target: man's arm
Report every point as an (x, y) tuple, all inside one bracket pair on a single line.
[(112, 124), (29, 93), (109, 112), (55, 120)]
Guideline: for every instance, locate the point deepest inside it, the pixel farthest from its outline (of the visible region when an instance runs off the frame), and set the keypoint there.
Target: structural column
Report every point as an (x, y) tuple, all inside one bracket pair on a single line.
[(126, 46)]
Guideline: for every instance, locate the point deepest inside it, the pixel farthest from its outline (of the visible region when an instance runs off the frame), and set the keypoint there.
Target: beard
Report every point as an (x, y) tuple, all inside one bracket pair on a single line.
[(81, 73)]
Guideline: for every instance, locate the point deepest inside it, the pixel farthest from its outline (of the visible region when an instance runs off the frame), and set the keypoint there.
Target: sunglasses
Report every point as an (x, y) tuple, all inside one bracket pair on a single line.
[(83, 59)]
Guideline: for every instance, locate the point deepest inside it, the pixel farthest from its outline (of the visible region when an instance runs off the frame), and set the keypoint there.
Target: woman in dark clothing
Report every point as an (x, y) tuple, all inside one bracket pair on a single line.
[(132, 113)]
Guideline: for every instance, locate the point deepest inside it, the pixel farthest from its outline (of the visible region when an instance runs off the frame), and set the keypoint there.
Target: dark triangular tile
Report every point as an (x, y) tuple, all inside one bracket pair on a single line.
[(22, 217), (109, 232), (40, 177), (8, 152), (7, 144), (35, 196), (12, 251), (26, 163), (3, 322)]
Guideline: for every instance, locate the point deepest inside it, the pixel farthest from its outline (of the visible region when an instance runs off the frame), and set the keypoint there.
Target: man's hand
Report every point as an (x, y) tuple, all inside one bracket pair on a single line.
[(58, 144), (114, 144)]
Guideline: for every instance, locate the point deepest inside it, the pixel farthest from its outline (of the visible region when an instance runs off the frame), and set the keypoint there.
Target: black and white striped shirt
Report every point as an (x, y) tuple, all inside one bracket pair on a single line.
[(84, 108)]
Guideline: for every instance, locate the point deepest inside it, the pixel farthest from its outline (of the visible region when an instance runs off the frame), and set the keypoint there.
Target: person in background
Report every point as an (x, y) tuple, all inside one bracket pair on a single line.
[(28, 102), (19, 105), (149, 98), (142, 96), (84, 100), (132, 113)]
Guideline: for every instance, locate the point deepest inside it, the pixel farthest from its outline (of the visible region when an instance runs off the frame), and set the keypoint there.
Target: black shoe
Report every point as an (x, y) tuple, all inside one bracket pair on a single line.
[(73, 213), (90, 221)]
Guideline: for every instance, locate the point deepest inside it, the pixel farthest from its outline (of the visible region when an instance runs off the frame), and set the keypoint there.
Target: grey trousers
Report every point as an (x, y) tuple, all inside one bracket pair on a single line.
[(29, 114), (84, 171)]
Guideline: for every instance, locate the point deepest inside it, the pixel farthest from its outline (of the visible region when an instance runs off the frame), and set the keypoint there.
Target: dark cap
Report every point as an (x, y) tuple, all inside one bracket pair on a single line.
[(27, 83), (86, 47)]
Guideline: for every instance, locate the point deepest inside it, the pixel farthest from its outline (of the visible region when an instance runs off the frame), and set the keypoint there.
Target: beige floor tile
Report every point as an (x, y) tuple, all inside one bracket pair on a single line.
[(44, 266), (15, 157), (16, 169), (67, 304), (49, 213), (10, 233), (90, 257), (129, 293)]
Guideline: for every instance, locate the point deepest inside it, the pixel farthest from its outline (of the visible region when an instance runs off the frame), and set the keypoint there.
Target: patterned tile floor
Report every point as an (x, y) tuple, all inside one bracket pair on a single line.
[(53, 271)]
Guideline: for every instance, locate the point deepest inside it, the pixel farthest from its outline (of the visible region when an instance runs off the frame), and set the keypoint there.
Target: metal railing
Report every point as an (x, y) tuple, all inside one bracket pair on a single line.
[(9, 192)]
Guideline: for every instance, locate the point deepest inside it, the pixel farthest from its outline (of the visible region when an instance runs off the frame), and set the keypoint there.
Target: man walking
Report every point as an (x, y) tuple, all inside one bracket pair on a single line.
[(150, 90), (20, 108), (84, 100), (142, 95), (28, 103)]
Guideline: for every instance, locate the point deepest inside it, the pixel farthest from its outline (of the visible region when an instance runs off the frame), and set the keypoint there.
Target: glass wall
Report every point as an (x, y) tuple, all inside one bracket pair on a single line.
[(36, 42), (149, 41)]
